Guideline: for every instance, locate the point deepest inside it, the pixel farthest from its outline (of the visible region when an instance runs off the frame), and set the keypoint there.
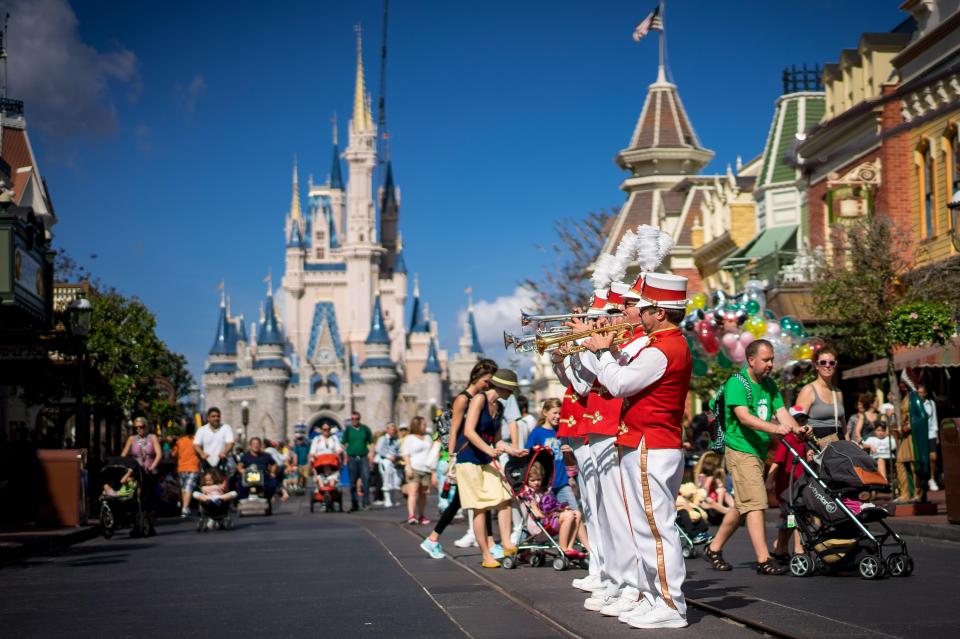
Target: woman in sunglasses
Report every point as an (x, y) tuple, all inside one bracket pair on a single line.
[(822, 400)]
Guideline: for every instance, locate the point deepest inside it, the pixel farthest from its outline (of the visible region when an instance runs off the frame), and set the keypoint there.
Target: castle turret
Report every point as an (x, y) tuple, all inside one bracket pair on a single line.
[(271, 376), (297, 235), (378, 371), (432, 378), (470, 351), (222, 363)]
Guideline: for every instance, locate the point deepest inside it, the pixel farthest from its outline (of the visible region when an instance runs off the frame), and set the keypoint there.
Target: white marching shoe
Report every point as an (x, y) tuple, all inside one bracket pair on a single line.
[(587, 584), (598, 600), (659, 616), (626, 602), (643, 607), (467, 541)]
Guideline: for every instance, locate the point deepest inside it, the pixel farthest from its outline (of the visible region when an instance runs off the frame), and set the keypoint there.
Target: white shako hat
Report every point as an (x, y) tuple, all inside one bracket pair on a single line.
[(633, 292), (663, 290), (599, 305), (617, 292)]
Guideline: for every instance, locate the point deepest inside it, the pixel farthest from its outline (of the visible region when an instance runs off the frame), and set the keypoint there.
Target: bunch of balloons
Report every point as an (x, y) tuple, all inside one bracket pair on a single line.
[(719, 327)]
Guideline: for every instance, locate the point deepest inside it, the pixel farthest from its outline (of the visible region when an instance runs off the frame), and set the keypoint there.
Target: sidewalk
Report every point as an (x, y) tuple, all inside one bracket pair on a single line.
[(22, 542)]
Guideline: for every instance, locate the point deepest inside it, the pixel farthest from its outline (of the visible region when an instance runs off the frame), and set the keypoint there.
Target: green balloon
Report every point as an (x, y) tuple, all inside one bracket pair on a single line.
[(723, 361), (753, 307), (769, 314)]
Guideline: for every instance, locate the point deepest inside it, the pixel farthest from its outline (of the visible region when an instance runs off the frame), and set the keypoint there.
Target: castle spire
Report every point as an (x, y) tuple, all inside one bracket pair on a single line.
[(270, 332), (295, 213), (470, 326), (362, 118), (225, 342), (417, 322), (378, 327), (432, 364), (336, 174)]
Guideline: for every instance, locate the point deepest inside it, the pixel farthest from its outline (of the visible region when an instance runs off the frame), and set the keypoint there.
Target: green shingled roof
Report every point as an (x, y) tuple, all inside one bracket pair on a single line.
[(783, 130)]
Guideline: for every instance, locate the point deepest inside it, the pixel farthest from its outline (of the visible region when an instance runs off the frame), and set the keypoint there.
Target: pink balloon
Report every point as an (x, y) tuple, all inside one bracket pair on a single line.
[(773, 329), (729, 340), (746, 337), (739, 354)]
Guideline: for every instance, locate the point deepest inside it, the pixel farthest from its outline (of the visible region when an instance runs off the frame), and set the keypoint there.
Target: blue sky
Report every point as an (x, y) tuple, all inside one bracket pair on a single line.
[(167, 130)]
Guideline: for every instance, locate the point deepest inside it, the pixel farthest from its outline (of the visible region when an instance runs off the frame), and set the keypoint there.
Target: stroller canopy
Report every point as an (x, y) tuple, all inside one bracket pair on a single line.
[(518, 468), (844, 464)]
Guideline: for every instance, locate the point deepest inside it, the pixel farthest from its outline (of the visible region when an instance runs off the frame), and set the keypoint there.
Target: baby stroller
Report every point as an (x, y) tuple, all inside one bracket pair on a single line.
[(256, 503), (123, 511), (324, 465), (834, 526), (536, 543)]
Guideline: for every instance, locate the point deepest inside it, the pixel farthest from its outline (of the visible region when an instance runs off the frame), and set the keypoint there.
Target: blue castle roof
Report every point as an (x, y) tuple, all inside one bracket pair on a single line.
[(226, 341), (433, 362), (378, 328), (474, 337), (270, 332)]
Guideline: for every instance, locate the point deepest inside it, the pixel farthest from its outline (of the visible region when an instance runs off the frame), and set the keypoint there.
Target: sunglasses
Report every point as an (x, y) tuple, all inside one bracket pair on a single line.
[(829, 363)]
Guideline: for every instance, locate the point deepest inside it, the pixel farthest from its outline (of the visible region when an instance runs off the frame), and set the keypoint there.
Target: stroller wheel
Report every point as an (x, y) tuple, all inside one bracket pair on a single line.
[(687, 551), (537, 559), (899, 565), (560, 563), (871, 567), (201, 525), (508, 562), (585, 563), (228, 523), (801, 566)]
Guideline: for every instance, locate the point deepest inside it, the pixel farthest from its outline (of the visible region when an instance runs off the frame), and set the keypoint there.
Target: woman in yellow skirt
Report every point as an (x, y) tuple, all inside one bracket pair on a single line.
[(481, 485)]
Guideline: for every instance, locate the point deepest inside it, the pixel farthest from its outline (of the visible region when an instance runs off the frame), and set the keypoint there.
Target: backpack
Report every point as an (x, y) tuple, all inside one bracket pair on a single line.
[(441, 426), (719, 409)]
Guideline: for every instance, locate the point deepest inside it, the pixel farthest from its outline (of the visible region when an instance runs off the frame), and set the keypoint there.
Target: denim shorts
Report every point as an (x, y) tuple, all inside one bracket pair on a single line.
[(188, 481)]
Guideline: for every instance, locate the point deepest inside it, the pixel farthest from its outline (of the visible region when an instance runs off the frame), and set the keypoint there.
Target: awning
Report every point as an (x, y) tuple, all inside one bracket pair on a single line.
[(919, 357), (768, 242)]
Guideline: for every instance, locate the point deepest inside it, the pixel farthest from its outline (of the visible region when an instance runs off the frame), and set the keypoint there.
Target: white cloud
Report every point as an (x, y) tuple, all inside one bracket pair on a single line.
[(64, 82), (498, 315), (186, 96)]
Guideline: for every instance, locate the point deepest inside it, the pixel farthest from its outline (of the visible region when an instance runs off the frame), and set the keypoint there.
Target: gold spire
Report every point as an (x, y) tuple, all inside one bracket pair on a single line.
[(295, 203), (362, 119)]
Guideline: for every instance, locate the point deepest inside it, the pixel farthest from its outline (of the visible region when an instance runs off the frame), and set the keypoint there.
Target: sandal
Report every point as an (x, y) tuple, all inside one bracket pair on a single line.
[(509, 551), (716, 560), (490, 564), (771, 567)]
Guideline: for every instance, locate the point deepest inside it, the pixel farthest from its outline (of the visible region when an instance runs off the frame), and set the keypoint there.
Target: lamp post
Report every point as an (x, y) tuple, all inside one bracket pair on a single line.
[(954, 207), (245, 419), (79, 323)]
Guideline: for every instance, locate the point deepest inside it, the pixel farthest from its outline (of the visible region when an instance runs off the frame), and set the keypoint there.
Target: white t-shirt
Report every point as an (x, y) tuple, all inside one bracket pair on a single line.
[(524, 426), (511, 413), (880, 448), (321, 445), (213, 442), (418, 448), (931, 408)]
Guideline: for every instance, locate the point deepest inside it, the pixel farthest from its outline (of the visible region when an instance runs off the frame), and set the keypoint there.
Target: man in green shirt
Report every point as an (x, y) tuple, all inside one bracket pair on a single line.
[(358, 442), (747, 430)]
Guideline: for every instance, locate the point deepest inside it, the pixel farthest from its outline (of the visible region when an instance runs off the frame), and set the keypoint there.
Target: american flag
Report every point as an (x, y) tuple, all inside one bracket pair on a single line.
[(652, 21)]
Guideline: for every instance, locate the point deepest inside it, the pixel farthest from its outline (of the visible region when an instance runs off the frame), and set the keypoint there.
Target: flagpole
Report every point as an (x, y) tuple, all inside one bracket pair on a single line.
[(661, 70)]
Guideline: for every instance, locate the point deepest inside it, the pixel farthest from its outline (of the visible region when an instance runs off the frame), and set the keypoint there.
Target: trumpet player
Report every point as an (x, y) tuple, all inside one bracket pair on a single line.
[(620, 569), (653, 383)]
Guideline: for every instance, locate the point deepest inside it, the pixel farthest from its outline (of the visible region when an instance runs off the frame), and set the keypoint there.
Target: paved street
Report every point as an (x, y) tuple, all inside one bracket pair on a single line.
[(298, 574)]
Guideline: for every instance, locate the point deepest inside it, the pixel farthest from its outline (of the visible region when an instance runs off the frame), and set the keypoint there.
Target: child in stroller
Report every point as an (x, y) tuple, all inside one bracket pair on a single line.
[(552, 527), (215, 502), (121, 502), (326, 478), (692, 519)]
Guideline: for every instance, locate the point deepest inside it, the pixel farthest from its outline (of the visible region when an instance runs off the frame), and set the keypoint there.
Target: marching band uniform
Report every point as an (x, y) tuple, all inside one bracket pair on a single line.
[(654, 382)]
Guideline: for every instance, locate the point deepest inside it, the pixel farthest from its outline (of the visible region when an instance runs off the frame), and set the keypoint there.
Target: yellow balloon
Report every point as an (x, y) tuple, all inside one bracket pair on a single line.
[(806, 351), (699, 300), (757, 326), (690, 307)]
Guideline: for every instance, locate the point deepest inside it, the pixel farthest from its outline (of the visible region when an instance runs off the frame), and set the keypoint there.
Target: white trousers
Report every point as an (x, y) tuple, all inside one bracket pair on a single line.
[(620, 568), (589, 490), (652, 480)]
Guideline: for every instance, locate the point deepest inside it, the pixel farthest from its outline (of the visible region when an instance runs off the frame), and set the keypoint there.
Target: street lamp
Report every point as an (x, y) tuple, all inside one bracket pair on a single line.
[(244, 417), (80, 317), (79, 323), (954, 207)]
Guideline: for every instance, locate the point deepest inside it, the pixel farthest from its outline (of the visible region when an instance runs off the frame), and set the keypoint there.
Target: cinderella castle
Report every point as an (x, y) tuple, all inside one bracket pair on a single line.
[(344, 342)]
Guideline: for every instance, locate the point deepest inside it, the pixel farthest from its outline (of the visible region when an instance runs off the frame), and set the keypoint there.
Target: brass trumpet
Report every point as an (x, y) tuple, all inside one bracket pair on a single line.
[(624, 332), (528, 318)]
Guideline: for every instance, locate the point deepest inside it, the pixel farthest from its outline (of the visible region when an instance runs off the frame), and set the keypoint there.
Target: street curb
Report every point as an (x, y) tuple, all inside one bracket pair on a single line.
[(947, 532), (45, 543)]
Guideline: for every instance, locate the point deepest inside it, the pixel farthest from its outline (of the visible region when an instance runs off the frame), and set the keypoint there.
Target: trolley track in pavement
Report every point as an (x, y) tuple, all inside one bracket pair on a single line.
[(725, 615)]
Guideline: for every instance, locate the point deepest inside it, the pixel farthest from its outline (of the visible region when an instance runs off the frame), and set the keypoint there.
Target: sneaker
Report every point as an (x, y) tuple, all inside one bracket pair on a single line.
[(587, 584), (424, 521), (642, 608), (184, 514), (659, 616), (496, 551), (598, 600), (211, 524), (932, 486), (515, 538), (702, 538), (467, 541), (432, 548), (413, 521), (618, 607)]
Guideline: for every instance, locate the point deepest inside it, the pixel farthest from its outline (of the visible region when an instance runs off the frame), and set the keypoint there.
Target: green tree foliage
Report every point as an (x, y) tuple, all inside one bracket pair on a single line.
[(919, 323), (564, 283)]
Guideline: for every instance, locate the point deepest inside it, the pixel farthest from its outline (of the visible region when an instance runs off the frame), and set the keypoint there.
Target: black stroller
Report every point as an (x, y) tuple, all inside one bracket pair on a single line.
[(534, 548), (124, 510), (833, 536)]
